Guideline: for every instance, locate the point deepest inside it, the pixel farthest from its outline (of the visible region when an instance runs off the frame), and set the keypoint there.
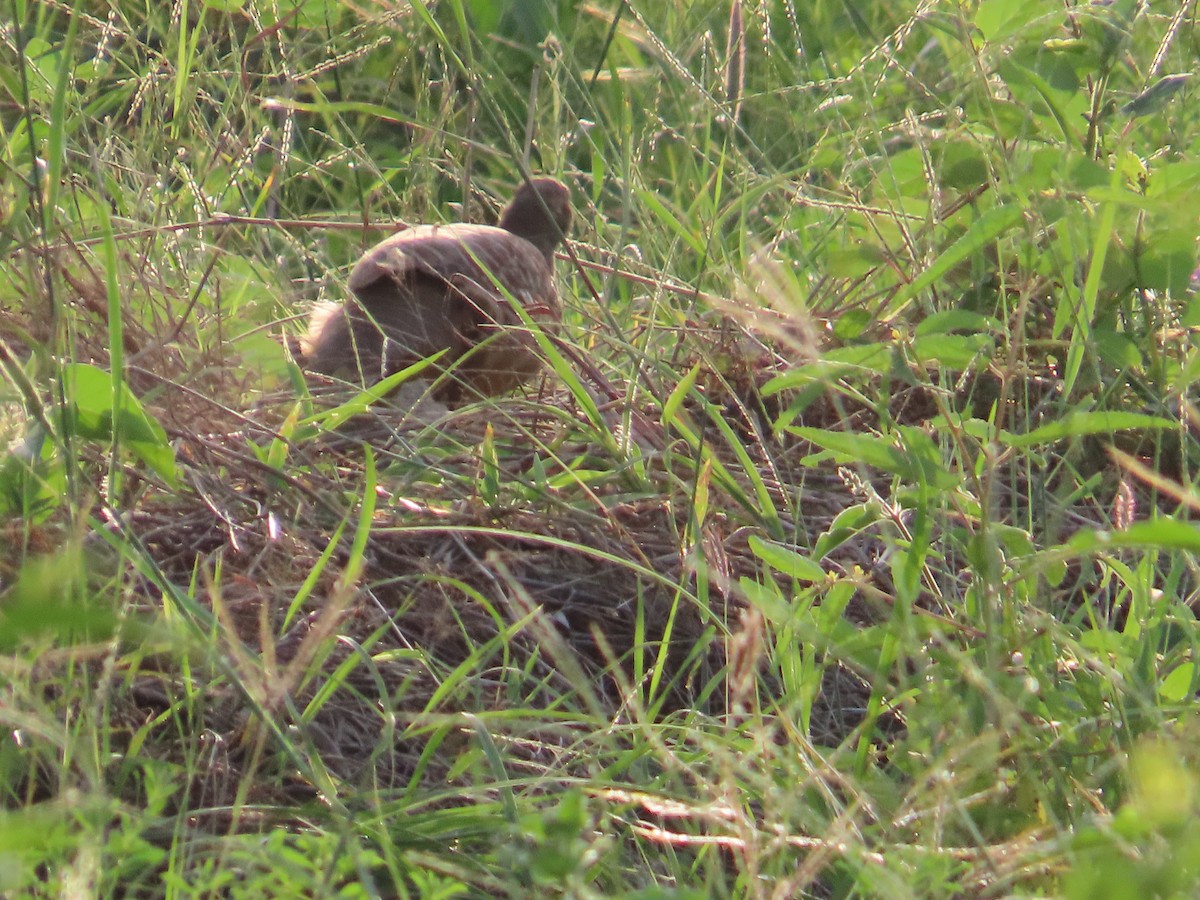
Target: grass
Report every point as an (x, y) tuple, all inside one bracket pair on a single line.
[(846, 548)]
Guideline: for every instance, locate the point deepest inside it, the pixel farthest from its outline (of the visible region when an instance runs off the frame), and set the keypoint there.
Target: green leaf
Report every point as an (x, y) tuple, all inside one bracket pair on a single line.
[(49, 601), (1080, 423), (1161, 533), (962, 166), (849, 522), (1177, 685), (32, 477), (909, 454), (872, 450), (949, 320), (485, 15), (1044, 92), (1065, 45), (853, 262), (1015, 541), (785, 560), (1085, 316), (872, 358), (675, 400), (90, 415), (767, 599), (998, 20), (851, 324), (987, 228), (828, 615), (1120, 195), (955, 351), (59, 120), (489, 481), (1169, 179), (1084, 173), (1115, 349), (862, 359), (1167, 261), (979, 429)]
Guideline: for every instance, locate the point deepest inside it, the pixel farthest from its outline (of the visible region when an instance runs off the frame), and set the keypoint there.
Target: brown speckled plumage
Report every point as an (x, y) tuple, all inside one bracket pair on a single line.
[(435, 287)]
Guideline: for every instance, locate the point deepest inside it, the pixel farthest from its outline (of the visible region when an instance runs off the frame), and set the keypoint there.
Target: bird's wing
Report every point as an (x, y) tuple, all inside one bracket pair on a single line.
[(471, 259)]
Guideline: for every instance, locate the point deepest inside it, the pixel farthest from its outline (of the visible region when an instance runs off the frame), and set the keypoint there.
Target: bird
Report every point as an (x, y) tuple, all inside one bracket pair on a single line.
[(450, 288)]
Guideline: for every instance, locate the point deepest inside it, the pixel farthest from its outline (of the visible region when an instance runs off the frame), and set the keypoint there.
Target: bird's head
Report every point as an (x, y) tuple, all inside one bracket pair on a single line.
[(540, 212)]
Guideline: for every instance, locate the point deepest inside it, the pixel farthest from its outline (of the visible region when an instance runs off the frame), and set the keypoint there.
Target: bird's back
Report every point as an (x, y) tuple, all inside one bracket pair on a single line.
[(436, 287), (448, 253)]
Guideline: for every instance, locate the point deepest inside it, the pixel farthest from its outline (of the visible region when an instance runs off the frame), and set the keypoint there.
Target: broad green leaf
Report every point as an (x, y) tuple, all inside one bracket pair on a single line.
[(987, 228), (90, 415), (872, 450), (910, 454), (49, 601), (849, 522), (1122, 196), (950, 320), (1080, 423), (997, 20), (32, 477), (876, 358), (785, 560), (828, 615), (853, 262), (1178, 683), (1167, 261), (1085, 173), (962, 166), (1044, 92), (1169, 179), (485, 14), (1161, 533), (851, 324), (955, 351), (869, 359), (767, 599), (1117, 350)]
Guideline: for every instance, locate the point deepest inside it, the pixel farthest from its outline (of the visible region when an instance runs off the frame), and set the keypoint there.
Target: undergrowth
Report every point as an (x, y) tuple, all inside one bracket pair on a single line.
[(844, 549)]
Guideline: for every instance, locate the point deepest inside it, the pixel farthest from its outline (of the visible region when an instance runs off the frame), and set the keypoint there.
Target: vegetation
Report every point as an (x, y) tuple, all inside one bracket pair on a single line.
[(845, 550)]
